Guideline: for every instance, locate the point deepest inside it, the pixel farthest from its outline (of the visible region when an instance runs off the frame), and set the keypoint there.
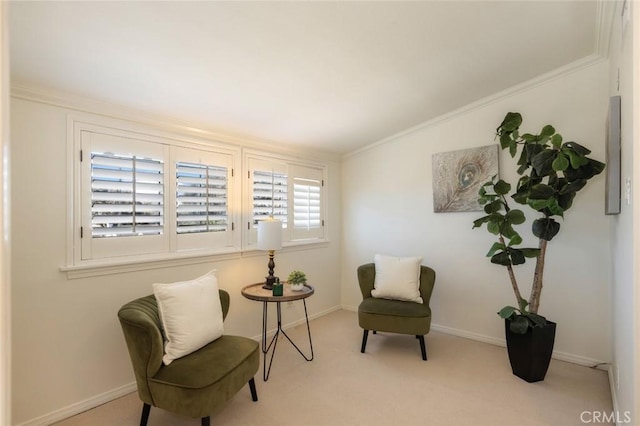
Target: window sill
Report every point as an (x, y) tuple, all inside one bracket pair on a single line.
[(110, 266)]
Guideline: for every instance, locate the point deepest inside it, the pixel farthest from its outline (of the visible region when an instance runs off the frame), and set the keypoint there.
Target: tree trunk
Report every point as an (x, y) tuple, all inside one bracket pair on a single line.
[(512, 278), (536, 288)]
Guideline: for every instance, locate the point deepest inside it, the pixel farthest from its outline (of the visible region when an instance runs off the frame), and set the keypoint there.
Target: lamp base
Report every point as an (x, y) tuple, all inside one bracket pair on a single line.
[(269, 281)]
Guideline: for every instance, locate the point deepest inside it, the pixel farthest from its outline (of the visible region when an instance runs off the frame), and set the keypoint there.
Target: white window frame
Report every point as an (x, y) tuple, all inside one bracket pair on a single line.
[(171, 246), (292, 167), (176, 252)]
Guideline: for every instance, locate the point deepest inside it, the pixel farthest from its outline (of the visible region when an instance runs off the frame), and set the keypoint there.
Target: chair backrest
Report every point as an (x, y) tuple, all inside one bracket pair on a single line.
[(142, 328), (367, 275)]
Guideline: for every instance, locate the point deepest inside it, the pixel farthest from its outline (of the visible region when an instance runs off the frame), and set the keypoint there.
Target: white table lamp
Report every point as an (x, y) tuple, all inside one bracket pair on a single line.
[(270, 239)]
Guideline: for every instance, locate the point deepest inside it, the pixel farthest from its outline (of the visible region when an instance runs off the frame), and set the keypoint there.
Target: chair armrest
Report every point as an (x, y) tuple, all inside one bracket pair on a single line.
[(366, 278)]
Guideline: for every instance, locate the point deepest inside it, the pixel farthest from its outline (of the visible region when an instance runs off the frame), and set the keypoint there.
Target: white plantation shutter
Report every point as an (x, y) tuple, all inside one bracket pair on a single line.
[(291, 192), (270, 196), (202, 189), (126, 195), (201, 198), (307, 203), (123, 196)]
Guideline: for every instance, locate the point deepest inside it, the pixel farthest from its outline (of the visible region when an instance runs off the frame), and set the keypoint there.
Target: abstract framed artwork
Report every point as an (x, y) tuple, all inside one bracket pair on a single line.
[(458, 175), (613, 178)]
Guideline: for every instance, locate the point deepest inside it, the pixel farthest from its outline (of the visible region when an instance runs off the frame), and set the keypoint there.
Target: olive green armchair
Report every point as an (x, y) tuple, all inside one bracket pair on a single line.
[(395, 316), (196, 385)]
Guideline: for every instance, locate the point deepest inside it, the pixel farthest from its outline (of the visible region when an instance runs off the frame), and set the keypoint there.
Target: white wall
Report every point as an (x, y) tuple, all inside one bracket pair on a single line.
[(68, 348), (388, 208), (623, 252)]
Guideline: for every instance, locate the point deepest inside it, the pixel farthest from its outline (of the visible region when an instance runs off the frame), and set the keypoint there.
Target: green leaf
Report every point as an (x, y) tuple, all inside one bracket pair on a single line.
[(505, 141), (538, 205), (508, 231), (513, 149), (507, 312), (579, 149), (537, 320), (528, 137), (530, 252), (501, 258), (560, 163), (515, 240), (479, 222), (515, 217), (493, 207), (493, 227), (494, 248), (511, 122), (574, 186), (556, 141), (576, 159), (532, 150), (566, 200), (502, 187), (555, 208), (542, 162), (541, 192), (545, 228), (547, 131), (522, 304), (587, 171), (517, 257), (519, 324)]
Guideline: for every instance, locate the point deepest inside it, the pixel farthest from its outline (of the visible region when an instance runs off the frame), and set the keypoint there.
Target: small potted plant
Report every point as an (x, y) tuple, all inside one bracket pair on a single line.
[(297, 279)]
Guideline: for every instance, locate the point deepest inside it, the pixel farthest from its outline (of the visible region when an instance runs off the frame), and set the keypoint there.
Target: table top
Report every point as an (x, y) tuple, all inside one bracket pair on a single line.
[(256, 292)]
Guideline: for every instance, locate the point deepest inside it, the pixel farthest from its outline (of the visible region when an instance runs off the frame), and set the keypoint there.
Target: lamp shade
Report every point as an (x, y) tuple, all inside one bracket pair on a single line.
[(269, 234)]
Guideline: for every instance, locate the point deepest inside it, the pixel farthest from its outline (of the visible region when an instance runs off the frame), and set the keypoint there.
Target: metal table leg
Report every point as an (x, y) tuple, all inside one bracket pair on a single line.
[(274, 340)]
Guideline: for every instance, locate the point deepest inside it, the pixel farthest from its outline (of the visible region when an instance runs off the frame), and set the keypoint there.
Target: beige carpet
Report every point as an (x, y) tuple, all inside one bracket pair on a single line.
[(463, 383)]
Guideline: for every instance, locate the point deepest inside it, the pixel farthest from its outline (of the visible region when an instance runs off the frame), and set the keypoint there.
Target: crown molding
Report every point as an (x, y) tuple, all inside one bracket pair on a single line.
[(79, 103), (605, 16), (571, 68)]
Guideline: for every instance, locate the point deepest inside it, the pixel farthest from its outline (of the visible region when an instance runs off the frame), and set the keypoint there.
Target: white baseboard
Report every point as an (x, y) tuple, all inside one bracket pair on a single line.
[(82, 406), (561, 356)]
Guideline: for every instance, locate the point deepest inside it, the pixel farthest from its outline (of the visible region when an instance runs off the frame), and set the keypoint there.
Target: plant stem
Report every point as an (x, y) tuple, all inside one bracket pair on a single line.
[(512, 277), (536, 289)]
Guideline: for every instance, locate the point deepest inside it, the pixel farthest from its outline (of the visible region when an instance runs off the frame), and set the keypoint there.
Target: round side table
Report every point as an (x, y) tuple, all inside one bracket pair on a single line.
[(259, 294)]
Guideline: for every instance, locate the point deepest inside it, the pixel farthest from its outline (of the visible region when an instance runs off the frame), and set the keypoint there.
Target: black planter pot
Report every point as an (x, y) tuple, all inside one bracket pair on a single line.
[(530, 353)]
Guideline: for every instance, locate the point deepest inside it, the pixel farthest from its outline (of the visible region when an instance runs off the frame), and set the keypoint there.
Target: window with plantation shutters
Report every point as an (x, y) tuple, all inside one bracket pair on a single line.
[(126, 195), (289, 191), (142, 197), (201, 198), (270, 196)]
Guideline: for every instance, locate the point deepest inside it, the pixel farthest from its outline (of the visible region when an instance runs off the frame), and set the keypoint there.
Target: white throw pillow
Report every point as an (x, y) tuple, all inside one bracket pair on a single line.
[(397, 278), (191, 315)]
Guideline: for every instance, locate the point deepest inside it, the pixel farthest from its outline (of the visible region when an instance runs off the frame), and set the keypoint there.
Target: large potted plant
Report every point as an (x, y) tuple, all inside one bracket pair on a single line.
[(551, 174)]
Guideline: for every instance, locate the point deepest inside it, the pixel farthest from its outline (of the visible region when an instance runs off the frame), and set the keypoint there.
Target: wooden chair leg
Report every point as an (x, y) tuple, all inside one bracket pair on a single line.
[(146, 408), (206, 421), (252, 386), (364, 340), (423, 347)]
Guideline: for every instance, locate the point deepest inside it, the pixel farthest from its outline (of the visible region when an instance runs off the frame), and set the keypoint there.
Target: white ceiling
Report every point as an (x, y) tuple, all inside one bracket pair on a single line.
[(330, 75)]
